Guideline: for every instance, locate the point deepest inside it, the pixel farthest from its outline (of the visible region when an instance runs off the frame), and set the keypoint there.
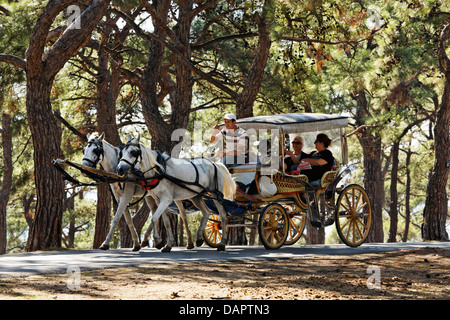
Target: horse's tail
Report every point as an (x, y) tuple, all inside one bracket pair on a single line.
[(229, 186)]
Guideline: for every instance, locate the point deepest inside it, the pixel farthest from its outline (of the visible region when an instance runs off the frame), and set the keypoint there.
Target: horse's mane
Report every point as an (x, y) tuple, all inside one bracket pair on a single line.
[(153, 156)]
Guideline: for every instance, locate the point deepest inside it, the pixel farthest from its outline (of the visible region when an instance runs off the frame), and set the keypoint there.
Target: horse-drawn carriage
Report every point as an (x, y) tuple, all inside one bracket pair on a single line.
[(267, 197), (282, 201)]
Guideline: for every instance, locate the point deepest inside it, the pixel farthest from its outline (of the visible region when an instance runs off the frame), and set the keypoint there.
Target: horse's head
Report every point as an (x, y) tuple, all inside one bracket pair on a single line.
[(93, 152), (131, 155)]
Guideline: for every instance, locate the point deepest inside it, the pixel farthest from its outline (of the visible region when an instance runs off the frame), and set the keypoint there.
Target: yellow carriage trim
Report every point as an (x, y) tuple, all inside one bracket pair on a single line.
[(289, 183)]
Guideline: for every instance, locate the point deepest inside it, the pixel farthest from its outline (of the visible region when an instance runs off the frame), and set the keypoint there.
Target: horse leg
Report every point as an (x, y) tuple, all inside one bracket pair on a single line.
[(168, 226), (125, 198), (161, 210), (223, 218), (182, 210), (134, 235), (200, 204), (153, 206)]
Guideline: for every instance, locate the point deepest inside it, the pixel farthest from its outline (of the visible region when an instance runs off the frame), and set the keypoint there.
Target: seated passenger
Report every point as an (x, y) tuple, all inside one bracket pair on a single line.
[(321, 160), (293, 158)]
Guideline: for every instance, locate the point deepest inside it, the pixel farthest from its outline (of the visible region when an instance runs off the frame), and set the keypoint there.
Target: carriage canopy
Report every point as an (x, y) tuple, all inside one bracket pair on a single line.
[(295, 122)]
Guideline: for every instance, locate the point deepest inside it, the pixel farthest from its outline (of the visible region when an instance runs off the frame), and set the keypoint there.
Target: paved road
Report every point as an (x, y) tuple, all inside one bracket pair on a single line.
[(24, 264)]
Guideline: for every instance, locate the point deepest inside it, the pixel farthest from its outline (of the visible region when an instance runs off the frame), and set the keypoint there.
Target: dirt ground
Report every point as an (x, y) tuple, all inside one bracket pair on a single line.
[(408, 274)]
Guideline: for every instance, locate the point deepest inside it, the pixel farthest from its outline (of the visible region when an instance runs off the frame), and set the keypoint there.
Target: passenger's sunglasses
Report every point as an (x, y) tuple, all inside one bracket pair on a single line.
[(295, 142)]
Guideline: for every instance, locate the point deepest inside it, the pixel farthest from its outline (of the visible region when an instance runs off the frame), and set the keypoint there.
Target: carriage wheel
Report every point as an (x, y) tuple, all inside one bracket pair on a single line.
[(297, 223), (273, 226), (353, 215), (213, 231)]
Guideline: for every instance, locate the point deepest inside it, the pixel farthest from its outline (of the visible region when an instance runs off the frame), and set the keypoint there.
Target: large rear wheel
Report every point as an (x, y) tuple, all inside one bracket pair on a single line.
[(273, 226), (353, 215)]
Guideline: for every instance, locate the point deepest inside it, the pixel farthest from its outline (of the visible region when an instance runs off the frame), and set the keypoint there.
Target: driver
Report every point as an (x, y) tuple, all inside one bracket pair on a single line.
[(236, 140)]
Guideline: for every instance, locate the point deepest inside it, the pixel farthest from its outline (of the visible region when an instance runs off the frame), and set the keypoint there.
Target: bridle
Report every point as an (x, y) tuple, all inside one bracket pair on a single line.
[(98, 151), (146, 183), (134, 153)]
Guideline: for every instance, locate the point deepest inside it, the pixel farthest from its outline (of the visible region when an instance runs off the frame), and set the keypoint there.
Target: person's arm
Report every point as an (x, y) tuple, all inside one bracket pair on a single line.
[(294, 158), (215, 132), (315, 162)]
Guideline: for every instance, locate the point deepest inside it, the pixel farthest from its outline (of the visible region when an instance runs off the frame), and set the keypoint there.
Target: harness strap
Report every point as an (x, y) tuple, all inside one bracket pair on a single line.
[(196, 172), (150, 185)]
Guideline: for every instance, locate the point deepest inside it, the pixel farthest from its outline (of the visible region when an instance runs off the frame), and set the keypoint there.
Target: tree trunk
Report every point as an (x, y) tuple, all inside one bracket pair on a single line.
[(148, 88), (103, 215), (108, 86), (314, 235), (184, 79), (7, 178), (27, 212), (370, 141), (393, 206), (407, 194), (42, 65), (46, 230), (71, 234), (246, 99), (436, 204)]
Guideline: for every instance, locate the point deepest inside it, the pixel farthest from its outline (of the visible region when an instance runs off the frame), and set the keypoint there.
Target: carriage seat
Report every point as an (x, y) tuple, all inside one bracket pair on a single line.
[(286, 184), (326, 179), (329, 176)]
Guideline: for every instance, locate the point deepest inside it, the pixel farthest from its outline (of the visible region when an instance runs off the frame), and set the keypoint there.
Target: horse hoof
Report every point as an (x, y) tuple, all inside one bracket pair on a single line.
[(159, 245), (136, 247), (190, 246), (144, 243), (221, 247), (104, 247), (199, 243), (166, 249)]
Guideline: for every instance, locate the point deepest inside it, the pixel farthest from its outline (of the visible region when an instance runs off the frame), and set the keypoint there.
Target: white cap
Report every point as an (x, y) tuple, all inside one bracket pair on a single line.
[(230, 116)]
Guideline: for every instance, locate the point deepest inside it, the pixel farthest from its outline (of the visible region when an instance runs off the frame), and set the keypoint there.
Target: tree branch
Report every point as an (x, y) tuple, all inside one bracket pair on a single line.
[(69, 126), (157, 20), (15, 61), (4, 10), (44, 22), (444, 61), (152, 36), (323, 41), (230, 37), (73, 39), (202, 7)]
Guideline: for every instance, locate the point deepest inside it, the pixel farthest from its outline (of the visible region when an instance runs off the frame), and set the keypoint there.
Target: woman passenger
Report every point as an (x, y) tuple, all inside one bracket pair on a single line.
[(320, 160)]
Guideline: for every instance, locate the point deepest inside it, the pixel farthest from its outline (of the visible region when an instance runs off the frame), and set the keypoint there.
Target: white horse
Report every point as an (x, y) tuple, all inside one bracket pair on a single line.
[(99, 151), (180, 179)]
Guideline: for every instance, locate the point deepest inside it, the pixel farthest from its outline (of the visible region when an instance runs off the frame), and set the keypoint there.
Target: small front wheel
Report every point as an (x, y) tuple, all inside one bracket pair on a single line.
[(273, 226), (213, 231), (353, 215)]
